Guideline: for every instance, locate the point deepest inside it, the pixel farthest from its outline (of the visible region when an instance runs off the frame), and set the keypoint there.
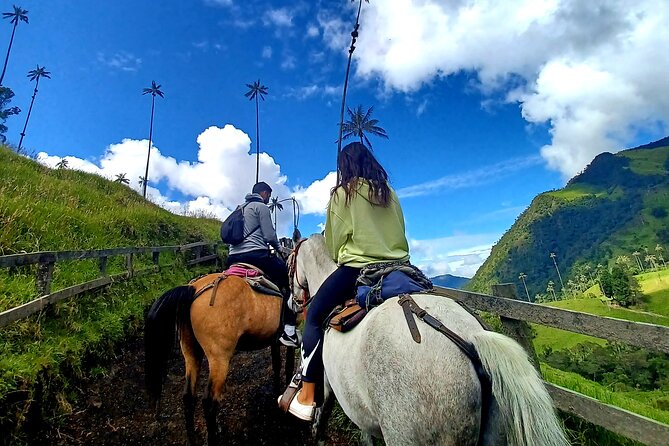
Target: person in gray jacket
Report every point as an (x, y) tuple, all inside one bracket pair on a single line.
[(254, 249)]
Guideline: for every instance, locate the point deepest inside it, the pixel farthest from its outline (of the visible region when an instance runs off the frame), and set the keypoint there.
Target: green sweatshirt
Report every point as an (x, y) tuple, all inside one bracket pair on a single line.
[(360, 233)]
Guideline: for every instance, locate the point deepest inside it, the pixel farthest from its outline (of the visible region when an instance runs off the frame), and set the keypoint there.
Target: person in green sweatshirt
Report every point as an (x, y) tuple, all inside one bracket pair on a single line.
[(364, 225)]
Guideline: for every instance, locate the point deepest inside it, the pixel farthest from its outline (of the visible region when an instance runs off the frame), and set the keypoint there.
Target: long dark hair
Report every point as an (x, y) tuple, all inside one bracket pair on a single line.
[(357, 163)]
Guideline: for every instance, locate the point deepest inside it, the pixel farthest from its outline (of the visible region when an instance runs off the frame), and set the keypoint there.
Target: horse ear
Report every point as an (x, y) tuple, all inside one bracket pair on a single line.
[(297, 235)]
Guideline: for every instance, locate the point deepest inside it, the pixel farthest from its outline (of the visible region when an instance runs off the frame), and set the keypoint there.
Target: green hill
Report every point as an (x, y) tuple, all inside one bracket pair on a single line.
[(617, 206), (42, 209)]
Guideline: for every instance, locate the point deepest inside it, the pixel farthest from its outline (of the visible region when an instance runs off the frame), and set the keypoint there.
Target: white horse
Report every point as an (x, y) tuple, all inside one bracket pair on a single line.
[(428, 393)]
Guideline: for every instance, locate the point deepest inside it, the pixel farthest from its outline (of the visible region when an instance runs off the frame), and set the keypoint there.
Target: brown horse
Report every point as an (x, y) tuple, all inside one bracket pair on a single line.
[(213, 321)]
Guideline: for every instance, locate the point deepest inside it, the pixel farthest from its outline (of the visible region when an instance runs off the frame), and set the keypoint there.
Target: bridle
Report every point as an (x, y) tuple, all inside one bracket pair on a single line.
[(304, 298)]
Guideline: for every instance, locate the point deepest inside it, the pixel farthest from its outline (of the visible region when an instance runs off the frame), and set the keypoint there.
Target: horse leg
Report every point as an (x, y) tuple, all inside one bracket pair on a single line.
[(322, 415), (192, 352), (290, 364), (276, 367), (218, 372), (366, 439)]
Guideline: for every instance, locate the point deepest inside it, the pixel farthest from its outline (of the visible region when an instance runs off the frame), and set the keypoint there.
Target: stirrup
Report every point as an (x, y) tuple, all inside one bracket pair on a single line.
[(290, 392)]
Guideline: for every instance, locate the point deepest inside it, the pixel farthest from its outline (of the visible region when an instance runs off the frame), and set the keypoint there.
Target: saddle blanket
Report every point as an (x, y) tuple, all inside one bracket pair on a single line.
[(254, 277)]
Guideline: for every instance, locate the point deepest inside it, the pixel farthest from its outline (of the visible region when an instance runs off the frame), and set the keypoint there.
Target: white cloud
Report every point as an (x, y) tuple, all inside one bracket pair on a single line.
[(220, 178), (312, 31), (473, 178), (288, 62), (314, 90), (280, 17), (314, 198), (593, 71), (121, 60), (267, 52), (218, 2), (460, 254)]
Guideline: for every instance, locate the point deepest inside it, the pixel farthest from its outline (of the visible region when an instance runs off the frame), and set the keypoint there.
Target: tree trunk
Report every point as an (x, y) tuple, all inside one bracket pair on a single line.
[(30, 109), (257, 143), (354, 36), (148, 155), (11, 41)]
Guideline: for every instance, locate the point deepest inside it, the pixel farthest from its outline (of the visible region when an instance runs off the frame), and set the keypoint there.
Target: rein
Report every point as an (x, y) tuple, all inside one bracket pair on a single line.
[(303, 300)]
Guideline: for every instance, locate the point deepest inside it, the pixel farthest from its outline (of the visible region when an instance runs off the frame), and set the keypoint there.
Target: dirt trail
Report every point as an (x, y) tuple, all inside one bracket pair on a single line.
[(116, 410)]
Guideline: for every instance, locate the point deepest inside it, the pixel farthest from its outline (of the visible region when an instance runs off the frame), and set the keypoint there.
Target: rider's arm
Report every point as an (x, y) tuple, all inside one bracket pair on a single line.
[(268, 232), (337, 229)]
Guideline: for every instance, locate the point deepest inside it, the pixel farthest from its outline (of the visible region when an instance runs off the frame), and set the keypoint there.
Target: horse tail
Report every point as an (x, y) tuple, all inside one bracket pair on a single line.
[(522, 401), (169, 312)]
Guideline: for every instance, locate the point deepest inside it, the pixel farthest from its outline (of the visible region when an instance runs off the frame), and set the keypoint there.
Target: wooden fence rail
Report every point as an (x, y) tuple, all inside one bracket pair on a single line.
[(46, 261), (515, 314)]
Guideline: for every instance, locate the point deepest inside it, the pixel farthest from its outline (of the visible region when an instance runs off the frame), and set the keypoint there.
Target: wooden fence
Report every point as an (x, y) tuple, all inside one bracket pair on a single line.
[(45, 266), (514, 316)]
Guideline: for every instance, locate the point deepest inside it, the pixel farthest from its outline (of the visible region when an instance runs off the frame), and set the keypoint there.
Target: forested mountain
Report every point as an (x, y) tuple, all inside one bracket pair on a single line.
[(618, 206)]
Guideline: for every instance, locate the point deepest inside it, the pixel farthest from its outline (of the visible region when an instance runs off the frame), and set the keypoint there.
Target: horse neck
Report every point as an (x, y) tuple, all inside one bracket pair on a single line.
[(316, 262)]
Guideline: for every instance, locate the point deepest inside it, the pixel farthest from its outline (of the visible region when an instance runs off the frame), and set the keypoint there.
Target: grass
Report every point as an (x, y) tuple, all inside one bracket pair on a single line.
[(43, 356), (647, 162), (655, 285), (575, 192), (642, 403)]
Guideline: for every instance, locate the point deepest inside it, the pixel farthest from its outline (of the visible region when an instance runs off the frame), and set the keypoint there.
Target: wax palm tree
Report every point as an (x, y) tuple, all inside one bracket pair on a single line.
[(33, 75), (636, 255), (360, 125), (275, 205), (651, 260), (257, 90), (153, 91), (553, 256), (141, 181), (18, 15), (121, 179), (62, 164), (522, 277), (354, 37), (551, 289)]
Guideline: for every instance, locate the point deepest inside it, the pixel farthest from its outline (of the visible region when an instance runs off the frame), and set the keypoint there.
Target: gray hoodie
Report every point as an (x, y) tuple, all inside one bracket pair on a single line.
[(256, 215)]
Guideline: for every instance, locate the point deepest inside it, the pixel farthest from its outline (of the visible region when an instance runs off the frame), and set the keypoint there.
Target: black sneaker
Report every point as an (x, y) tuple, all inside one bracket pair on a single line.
[(289, 341)]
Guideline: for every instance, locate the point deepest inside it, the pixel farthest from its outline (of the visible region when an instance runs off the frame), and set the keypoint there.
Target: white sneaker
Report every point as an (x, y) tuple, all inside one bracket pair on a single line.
[(289, 341), (302, 411)]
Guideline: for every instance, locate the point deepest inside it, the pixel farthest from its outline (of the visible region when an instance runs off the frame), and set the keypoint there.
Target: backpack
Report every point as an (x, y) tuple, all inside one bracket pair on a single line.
[(232, 229)]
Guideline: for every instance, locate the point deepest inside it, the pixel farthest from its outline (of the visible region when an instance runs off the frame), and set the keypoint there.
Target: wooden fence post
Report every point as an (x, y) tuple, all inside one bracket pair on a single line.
[(198, 254), (128, 263), (103, 265), (520, 331), (44, 278), (156, 258)]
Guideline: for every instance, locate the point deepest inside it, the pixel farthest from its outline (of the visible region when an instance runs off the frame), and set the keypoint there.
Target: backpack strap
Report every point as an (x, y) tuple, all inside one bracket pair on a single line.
[(256, 228)]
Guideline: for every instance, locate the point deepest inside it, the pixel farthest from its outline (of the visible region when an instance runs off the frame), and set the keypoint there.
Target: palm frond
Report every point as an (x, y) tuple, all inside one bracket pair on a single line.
[(256, 89), (360, 124)]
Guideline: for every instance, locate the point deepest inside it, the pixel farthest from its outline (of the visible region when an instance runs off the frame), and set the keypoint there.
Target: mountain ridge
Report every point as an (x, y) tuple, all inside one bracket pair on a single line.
[(616, 206)]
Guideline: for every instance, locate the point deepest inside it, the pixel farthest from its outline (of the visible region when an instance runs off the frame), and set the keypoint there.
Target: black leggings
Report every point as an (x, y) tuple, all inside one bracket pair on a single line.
[(337, 288), (275, 269)]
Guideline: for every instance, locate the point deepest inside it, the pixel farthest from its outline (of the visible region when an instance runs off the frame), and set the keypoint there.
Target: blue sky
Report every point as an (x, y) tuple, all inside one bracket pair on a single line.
[(486, 104)]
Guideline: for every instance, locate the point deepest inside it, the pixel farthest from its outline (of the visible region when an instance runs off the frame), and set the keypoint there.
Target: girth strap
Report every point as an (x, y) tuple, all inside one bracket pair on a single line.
[(410, 306), (213, 285)]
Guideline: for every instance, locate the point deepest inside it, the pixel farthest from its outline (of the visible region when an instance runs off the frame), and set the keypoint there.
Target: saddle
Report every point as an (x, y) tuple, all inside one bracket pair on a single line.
[(376, 284), (251, 274)]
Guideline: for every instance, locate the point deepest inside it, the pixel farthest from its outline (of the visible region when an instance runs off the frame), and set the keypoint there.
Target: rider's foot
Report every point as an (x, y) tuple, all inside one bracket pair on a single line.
[(302, 411), (288, 340)]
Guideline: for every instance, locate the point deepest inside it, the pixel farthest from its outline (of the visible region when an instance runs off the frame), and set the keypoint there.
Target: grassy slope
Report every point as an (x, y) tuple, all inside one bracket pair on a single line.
[(43, 209), (655, 286)]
